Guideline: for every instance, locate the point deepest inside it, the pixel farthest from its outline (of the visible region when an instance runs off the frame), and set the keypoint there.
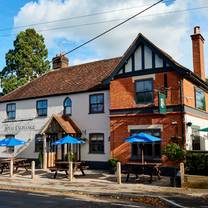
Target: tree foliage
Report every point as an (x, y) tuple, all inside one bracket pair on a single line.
[(26, 61)]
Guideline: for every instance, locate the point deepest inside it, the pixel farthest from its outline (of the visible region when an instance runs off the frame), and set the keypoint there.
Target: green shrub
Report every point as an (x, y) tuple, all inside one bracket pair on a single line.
[(174, 152), (113, 162), (197, 163)]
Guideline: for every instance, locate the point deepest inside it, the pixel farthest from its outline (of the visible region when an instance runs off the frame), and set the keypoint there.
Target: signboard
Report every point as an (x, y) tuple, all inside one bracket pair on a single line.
[(17, 127), (162, 103)]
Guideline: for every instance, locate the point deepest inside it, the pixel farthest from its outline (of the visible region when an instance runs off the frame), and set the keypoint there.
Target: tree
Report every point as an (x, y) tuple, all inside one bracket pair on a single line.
[(207, 80), (26, 61)]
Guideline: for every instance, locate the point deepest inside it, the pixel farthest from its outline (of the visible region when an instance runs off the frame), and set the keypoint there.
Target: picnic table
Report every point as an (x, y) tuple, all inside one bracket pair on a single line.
[(61, 166), (142, 168), (18, 162)]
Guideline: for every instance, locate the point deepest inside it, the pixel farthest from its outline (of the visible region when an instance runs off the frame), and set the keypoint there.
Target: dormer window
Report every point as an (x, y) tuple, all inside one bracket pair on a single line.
[(11, 110), (67, 106)]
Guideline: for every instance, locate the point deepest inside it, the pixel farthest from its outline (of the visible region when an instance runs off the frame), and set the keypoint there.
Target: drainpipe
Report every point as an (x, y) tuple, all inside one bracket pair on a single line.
[(182, 113)]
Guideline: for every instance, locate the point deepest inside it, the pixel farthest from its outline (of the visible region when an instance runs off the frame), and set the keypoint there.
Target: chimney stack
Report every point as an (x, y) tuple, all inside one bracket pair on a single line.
[(60, 61), (198, 53)]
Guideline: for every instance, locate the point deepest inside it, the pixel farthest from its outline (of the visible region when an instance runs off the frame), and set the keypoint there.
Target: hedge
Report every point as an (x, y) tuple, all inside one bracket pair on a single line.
[(196, 163)]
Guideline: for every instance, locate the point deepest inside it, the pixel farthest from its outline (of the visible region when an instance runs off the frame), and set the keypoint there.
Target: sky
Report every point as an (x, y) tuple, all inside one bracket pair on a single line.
[(168, 25)]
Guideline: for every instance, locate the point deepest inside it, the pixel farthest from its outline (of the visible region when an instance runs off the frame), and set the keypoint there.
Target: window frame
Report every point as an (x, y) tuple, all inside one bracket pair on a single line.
[(90, 148), (38, 143), (37, 109), (136, 93), (8, 117), (90, 104), (196, 146), (195, 95), (64, 111)]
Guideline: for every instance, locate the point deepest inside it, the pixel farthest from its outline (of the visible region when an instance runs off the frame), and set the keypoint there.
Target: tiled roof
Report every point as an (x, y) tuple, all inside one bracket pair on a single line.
[(79, 78), (65, 122)]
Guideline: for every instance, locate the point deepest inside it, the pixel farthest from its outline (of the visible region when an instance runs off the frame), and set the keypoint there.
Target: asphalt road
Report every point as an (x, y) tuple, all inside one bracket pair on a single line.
[(16, 199)]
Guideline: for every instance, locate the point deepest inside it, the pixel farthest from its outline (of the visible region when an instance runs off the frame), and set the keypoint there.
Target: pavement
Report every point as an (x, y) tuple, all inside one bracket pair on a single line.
[(101, 185)]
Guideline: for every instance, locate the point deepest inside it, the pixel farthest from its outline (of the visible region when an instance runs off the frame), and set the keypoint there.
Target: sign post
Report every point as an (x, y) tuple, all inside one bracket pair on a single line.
[(162, 103)]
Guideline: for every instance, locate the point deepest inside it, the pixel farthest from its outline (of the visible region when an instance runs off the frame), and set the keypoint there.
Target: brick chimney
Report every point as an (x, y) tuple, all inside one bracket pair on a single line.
[(198, 53), (60, 61)]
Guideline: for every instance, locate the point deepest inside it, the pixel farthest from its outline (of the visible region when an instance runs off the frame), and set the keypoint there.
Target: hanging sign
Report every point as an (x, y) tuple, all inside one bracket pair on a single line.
[(162, 103)]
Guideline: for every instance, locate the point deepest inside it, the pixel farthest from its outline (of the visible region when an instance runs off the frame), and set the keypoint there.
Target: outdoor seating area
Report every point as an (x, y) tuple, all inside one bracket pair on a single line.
[(17, 162)]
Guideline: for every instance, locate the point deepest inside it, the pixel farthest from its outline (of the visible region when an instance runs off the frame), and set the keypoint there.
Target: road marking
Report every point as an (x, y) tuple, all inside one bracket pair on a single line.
[(69, 198), (172, 202), (33, 194), (8, 191), (126, 205)]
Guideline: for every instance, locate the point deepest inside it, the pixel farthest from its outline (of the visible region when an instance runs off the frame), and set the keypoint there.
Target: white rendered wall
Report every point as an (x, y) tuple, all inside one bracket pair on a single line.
[(27, 123), (202, 123)]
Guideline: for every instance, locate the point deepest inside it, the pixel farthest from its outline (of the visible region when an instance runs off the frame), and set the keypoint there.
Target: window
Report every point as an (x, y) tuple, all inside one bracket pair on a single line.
[(67, 106), (42, 106), (152, 151), (144, 91), (38, 143), (11, 110), (96, 143), (200, 99), (195, 138), (97, 103)]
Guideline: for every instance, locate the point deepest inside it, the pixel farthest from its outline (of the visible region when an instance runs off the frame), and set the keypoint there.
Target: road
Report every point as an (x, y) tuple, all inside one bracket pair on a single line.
[(17, 199)]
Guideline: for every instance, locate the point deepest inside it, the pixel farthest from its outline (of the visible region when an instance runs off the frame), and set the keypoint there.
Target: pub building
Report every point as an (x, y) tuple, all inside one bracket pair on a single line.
[(104, 102)]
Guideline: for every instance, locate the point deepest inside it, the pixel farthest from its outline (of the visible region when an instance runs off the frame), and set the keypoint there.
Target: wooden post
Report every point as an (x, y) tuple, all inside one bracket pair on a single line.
[(118, 172), (70, 175), (44, 152), (11, 167), (182, 172), (33, 169)]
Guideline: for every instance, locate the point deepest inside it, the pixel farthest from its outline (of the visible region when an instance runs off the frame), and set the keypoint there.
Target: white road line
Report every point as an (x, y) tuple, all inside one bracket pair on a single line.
[(126, 205), (33, 194), (8, 191), (69, 198)]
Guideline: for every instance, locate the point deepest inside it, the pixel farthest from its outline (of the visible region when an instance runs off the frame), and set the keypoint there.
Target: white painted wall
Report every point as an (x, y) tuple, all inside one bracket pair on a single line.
[(26, 116), (202, 123)]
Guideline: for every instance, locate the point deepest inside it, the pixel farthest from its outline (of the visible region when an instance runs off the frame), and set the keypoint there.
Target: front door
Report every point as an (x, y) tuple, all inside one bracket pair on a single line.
[(52, 151)]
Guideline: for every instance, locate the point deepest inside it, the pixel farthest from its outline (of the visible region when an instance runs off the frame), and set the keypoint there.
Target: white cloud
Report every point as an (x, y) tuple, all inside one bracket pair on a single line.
[(169, 32)]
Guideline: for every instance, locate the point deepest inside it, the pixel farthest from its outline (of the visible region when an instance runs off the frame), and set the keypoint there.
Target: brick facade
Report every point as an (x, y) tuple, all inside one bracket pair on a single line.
[(122, 96), (122, 91), (171, 127)]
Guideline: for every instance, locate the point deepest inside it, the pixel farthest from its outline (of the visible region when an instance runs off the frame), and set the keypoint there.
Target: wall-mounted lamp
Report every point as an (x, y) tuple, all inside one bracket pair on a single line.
[(189, 124)]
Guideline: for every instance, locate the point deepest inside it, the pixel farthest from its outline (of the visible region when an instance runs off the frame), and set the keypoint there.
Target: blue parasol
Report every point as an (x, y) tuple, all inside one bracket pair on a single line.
[(11, 142), (142, 138), (68, 140)]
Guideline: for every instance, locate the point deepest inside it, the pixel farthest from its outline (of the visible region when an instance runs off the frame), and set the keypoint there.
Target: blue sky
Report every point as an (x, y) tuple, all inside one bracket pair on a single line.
[(171, 32)]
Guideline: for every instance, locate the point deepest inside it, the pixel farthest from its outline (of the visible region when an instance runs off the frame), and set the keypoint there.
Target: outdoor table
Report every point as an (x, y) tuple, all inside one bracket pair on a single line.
[(141, 168), (5, 164), (64, 166), (21, 163)]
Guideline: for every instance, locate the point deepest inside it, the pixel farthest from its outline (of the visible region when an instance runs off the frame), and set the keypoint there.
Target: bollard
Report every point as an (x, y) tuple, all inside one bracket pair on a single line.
[(70, 175), (118, 172), (182, 172), (33, 170), (11, 167)]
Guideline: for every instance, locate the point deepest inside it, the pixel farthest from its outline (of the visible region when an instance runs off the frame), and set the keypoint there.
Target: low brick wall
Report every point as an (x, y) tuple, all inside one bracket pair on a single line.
[(195, 181)]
